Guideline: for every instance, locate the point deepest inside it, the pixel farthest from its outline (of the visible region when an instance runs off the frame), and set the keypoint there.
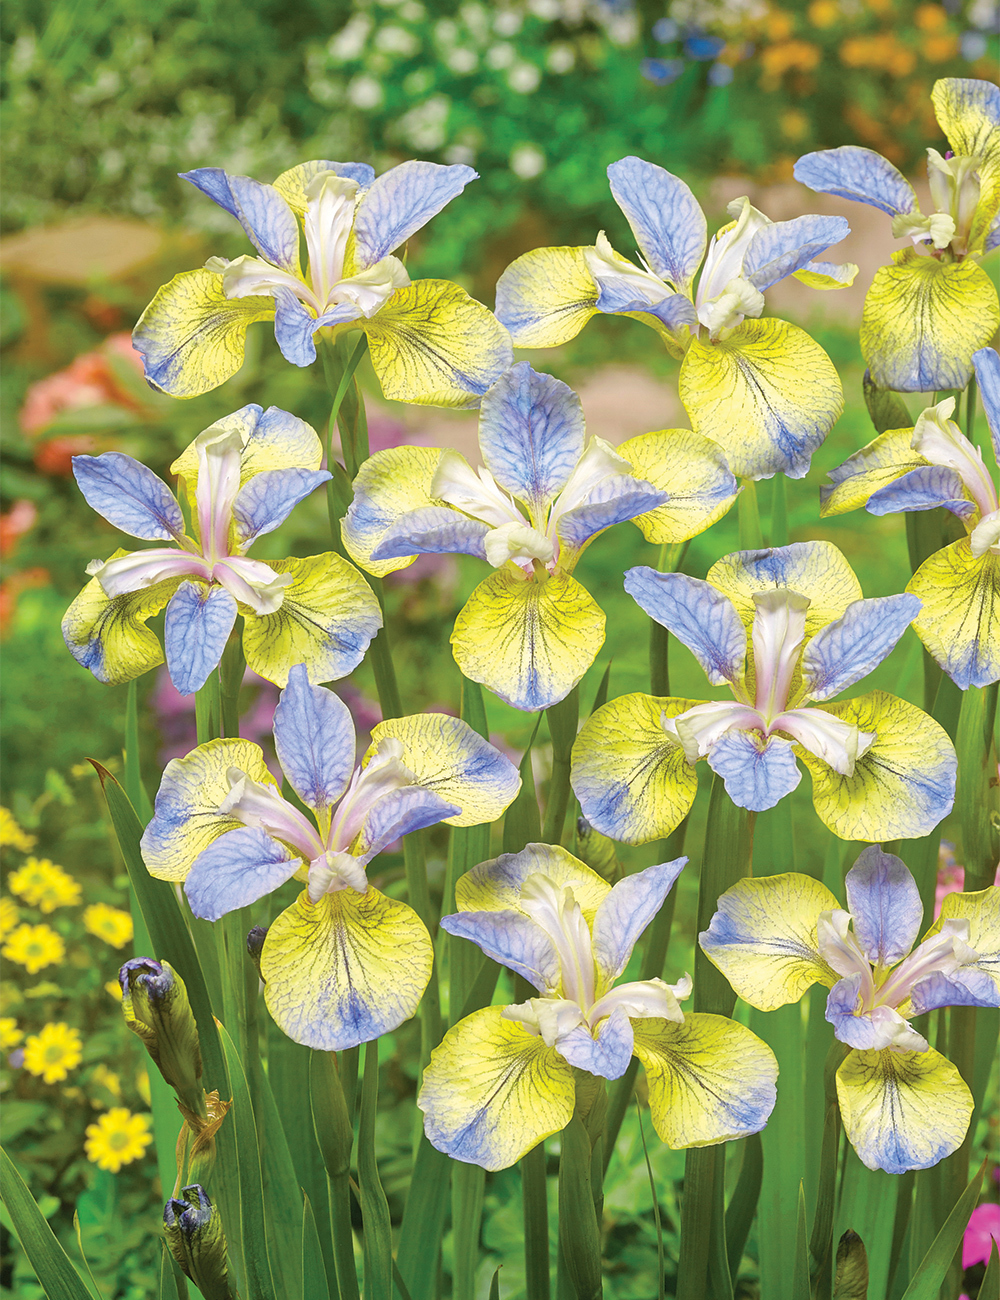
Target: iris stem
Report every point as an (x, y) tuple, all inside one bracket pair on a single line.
[(977, 802), (748, 514), (377, 1240), (579, 1230), (335, 1135), (670, 559), (970, 409), (728, 857), (779, 511), (536, 1224), (562, 719)]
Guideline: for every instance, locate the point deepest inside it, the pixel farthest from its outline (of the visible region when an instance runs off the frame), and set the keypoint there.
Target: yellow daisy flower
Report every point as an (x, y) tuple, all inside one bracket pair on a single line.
[(33, 946), (109, 923), (11, 834), (10, 1035), (9, 916), (118, 1138), (105, 1078), (42, 884), (114, 989), (53, 1052)]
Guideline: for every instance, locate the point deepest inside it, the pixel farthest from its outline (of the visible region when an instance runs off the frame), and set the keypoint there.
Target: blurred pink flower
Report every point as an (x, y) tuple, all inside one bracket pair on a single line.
[(983, 1229), (18, 520), (950, 877)]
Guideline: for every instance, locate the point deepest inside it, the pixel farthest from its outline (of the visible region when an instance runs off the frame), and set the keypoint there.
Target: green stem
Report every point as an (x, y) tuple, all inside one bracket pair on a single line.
[(670, 559), (231, 672), (467, 1189), (132, 775), (970, 409), (562, 720), (339, 366), (779, 511), (579, 1231), (335, 1135), (977, 799), (748, 514), (728, 857), (536, 1224), (415, 863), (374, 1206)]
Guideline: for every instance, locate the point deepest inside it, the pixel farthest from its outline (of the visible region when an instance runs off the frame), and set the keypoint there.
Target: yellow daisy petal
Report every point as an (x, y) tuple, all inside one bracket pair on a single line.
[(695, 473), (345, 970), (959, 621), (118, 1138), (108, 923), (710, 1079), (493, 1091), (902, 1110), (53, 1052), (529, 642), (34, 947)]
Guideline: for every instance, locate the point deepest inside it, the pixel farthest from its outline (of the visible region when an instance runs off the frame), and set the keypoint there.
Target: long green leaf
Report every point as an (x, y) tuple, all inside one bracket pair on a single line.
[(59, 1278), (377, 1239), (562, 719), (800, 1272), (281, 1193), (172, 1283), (423, 1220), (868, 1207), (165, 924), (315, 1283), (536, 1224), (579, 1231), (257, 1278), (743, 1204), (522, 824), (334, 1133), (467, 1189), (927, 1280), (990, 1285)]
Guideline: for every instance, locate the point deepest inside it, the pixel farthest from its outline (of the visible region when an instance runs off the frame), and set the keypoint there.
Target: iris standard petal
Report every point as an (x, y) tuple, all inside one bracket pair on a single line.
[(885, 459), (400, 201), (214, 182), (902, 1110), (493, 1091), (531, 432), (195, 631), (236, 870), (390, 484), (784, 247), (922, 488), (268, 220), (128, 495), (512, 939), (693, 472), (191, 336), (901, 787), (959, 619), (265, 501), (432, 530), (345, 970), (884, 902), (852, 172), (982, 910), (827, 275), (987, 366), (401, 812), (923, 319), (665, 217), (968, 111), (272, 439), (625, 912), (758, 771), (109, 636), (630, 775), (607, 1055), (814, 569), (455, 762), (314, 740), (710, 1079), (848, 649), (767, 394), (545, 297), (496, 885), (326, 621), (530, 642), (610, 502), (192, 790), (763, 938), (434, 345), (293, 184), (698, 615)]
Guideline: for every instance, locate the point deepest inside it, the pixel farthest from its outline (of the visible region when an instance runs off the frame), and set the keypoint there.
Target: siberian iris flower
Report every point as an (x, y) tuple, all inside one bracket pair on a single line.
[(344, 963), (761, 389), (502, 1079), (928, 312), (242, 477), (786, 630), (530, 631), (934, 464), (904, 1106), (429, 341)]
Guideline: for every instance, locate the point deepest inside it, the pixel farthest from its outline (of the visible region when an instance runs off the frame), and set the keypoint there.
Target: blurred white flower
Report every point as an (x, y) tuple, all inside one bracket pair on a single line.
[(462, 60), (501, 55), (523, 78), (396, 40), (425, 126), (560, 58), (350, 41), (365, 92), (526, 161)]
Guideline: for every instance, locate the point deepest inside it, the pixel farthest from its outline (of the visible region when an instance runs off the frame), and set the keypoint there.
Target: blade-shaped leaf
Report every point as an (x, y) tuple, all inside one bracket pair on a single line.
[(54, 1268), (929, 1277)]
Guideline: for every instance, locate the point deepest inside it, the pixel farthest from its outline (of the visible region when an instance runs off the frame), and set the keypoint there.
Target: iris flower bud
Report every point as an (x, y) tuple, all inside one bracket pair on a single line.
[(197, 1242), (156, 1007), (255, 944)]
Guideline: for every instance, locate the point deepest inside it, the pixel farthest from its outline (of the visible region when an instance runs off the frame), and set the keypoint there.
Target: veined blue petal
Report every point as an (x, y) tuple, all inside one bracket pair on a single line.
[(666, 218), (987, 366), (195, 631), (884, 901), (128, 495), (433, 530), (214, 182), (237, 869), (266, 500), (863, 1032), (963, 988), (314, 740), (625, 912), (675, 311), (608, 1054), (697, 614), (617, 295), (786, 246), (992, 235), (922, 489), (512, 939), (757, 776), (612, 501), (268, 220), (859, 174), (400, 813), (294, 325), (843, 652), (531, 433), (402, 200)]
